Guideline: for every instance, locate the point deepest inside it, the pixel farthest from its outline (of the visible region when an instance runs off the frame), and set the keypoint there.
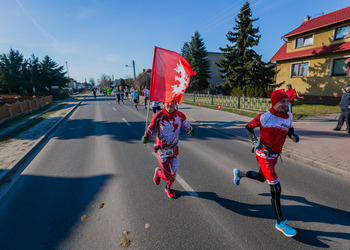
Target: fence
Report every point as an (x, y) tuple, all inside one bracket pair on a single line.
[(8, 111), (250, 103), (14, 98)]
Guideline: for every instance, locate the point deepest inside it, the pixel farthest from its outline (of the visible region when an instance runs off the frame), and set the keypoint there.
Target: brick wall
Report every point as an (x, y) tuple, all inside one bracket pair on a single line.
[(8, 111), (4, 112)]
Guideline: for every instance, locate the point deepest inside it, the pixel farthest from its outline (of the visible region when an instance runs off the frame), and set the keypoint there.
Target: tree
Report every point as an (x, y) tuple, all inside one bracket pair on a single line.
[(240, 65), (34, 71), (10, 71), (184, 50), (92, 82), (122, 82), (106, 81), (195, 53), (51, 73), (143, 80)]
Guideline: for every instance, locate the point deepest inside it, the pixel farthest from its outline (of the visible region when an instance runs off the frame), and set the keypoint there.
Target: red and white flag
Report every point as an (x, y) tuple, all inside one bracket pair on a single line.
[(170, 76)]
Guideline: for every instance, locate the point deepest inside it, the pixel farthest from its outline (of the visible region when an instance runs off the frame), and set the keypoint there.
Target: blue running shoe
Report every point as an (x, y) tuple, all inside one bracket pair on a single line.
[(236, 179), (285, 229)]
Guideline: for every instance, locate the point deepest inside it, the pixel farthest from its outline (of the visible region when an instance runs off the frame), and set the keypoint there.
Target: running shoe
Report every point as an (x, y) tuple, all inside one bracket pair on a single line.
[(156, 177), (285, 229), (236, 178), (169, 192)]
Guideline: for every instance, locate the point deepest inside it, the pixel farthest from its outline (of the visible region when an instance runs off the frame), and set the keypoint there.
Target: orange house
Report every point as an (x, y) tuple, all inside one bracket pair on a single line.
[(315, 57)]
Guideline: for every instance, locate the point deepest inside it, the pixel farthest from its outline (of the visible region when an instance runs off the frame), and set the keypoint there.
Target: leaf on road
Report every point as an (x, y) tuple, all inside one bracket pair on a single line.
[(84, 217), (125, 242)]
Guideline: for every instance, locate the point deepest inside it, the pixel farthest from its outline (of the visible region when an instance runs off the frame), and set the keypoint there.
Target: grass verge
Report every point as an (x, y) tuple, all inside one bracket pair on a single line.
[(243, 112)]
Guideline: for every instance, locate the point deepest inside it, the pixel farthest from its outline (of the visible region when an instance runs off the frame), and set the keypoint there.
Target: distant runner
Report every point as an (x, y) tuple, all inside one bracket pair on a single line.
[(126, 92), (156, 107), (146, 95), (117, 94), (135, 97)]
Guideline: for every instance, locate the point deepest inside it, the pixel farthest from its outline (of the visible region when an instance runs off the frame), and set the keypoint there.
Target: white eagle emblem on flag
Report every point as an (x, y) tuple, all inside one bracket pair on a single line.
[(183, 79)]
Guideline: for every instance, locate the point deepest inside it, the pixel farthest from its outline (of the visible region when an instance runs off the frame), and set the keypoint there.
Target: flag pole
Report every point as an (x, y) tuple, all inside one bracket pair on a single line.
[(147, 116), (150, 88)]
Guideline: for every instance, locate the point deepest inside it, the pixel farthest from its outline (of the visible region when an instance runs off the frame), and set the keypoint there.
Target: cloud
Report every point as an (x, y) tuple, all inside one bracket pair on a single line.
[(56, 43), (111, 58), (85, 13)]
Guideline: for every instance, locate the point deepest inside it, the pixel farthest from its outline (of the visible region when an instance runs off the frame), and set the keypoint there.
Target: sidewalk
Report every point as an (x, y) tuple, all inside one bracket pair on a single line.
[(19, 146), (319, 145)]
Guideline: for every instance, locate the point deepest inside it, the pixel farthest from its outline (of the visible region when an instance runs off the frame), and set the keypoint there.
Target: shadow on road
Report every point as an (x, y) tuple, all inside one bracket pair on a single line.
[(44, 219), (82, 128), (307, 212)]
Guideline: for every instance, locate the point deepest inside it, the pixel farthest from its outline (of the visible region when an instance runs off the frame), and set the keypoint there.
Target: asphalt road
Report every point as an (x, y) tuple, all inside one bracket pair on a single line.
[(96, 157)]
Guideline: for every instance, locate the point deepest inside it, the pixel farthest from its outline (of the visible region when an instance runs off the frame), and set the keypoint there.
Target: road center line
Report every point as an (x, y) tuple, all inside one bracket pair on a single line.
[(126, 122), (114, 109), (183, 183)]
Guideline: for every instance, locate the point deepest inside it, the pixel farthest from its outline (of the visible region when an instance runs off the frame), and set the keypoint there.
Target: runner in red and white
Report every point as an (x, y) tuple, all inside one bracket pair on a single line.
[(168, 123), (275, 125)]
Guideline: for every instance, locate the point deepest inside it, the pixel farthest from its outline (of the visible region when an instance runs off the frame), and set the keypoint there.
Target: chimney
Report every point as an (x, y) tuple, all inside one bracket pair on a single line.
[(307, 18)]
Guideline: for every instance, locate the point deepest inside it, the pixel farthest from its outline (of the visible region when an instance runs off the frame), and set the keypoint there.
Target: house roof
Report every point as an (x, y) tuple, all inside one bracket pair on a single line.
[(283, 55), (321, 21)]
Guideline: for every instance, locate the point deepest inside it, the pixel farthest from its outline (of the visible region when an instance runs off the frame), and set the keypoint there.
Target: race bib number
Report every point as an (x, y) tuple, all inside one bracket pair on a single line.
[(166, 151)]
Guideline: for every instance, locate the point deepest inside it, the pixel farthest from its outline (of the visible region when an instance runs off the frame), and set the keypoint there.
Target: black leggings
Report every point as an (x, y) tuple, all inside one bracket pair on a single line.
[(275, 192)]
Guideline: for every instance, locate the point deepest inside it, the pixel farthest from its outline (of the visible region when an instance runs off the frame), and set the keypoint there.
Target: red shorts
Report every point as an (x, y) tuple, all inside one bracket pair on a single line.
[(267, 166)]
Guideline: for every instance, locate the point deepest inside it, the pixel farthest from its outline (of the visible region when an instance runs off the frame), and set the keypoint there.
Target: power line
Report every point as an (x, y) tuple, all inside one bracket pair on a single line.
[(226, 19)]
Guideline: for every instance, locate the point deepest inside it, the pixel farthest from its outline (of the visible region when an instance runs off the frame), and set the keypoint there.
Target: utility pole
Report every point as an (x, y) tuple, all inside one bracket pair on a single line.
[(133, 65)]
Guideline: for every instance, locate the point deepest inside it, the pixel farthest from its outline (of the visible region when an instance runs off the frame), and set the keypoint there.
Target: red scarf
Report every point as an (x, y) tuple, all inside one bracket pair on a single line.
[(279, 114)]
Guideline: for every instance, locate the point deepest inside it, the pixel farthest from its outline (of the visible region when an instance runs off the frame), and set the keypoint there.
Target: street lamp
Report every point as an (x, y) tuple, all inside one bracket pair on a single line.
[(133, 65), (67, 68)]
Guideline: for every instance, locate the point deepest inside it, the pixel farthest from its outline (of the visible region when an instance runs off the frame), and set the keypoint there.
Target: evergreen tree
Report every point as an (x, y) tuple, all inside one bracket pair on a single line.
[(240, 65), (184, 50), (196, 55), (10, 71), (35, 74), (25, 84), (51, 73)]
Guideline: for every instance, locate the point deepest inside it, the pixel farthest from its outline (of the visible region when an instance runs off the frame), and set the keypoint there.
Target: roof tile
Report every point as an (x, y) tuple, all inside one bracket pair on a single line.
[(283, 55), (321, 21)]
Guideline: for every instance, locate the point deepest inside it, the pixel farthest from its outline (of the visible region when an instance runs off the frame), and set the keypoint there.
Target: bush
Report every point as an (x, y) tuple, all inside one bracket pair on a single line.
[(59, 94)]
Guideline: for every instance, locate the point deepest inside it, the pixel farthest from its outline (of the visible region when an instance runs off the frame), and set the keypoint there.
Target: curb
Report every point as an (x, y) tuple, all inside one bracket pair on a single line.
[(312, 163), (10, 170)]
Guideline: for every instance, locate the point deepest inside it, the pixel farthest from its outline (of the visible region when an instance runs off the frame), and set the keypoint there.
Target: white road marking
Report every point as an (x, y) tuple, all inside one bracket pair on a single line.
[(183, 183), (126, 122), (114, 109)]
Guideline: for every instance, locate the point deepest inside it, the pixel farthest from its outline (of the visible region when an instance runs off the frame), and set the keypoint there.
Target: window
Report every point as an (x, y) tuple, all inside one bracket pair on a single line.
[(300, 70), (304, 41), (341, 67), (342, 32)]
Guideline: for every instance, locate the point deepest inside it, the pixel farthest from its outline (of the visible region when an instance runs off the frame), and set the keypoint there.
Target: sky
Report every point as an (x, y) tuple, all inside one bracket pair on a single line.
[(95, 37)]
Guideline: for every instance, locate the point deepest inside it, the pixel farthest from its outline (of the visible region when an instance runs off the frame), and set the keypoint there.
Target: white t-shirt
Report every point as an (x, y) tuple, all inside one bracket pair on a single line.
[(156, 104)]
